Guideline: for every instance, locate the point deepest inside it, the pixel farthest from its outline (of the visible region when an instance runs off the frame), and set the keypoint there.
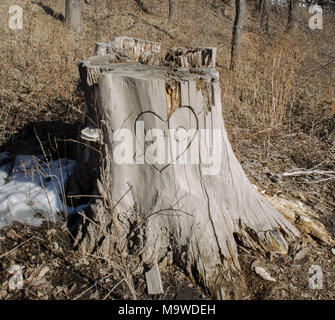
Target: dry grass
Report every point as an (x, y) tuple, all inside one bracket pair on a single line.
[(39, 75)]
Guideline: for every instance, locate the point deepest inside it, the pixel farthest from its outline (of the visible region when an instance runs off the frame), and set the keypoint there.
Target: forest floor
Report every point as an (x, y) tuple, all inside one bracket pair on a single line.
[(279, 110), (51, 269)]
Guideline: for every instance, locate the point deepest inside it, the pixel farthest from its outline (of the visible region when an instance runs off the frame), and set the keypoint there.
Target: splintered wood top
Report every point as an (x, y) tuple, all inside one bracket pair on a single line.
[(97, 65)]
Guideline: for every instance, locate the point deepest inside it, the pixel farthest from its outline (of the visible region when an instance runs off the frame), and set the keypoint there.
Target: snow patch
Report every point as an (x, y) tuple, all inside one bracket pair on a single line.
[(32, 190)]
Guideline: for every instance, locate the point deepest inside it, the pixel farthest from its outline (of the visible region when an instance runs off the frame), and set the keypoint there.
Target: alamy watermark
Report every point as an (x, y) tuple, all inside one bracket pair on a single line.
[(316, 279), (15, 21), (162, 148), (316, 20), (16, 17), (16, 281)]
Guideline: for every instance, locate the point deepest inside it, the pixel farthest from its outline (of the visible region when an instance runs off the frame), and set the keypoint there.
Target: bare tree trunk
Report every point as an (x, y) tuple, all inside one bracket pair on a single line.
[(73, 15), (174, 210), (292, 15), (173, 10), (237, 32), (265, 8)]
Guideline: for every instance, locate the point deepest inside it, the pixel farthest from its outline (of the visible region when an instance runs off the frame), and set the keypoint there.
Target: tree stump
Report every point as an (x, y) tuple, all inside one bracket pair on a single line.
[(196, 205)]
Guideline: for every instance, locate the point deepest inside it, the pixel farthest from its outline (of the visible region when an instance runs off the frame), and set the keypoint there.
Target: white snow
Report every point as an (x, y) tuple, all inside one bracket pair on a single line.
[(32, 190)]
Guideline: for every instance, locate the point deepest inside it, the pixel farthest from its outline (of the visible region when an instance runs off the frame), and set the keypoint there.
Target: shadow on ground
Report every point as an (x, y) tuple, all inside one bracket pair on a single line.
[(50, 11), (46, 137)]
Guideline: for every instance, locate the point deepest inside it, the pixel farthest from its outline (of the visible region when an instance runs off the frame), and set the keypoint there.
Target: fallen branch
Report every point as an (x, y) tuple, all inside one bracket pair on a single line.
[(307, 172), (318, 181)]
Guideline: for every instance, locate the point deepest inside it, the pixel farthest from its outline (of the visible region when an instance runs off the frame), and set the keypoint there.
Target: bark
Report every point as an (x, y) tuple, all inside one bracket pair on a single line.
[(173, 10), (237, 32), (190, 58), (292, 15), (73, 15), (172, 211), (265, 8)]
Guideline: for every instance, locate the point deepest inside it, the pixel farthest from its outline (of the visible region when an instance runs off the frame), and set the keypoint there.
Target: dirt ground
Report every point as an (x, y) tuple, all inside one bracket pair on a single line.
[(51, 269), (68, 274)]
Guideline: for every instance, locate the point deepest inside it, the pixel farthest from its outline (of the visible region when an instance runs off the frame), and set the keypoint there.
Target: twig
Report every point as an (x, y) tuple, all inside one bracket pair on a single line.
[(18, 246), (158, 212), (265, 130), (108, 294), (307, 172), (88, 289), (122, 197), (152, 25), (85, 195)]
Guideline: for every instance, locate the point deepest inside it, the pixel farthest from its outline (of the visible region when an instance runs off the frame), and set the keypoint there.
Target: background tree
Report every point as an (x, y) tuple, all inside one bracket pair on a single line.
[(73, 15), (173, 10), (292, 14), (237, 32), (265, 8)]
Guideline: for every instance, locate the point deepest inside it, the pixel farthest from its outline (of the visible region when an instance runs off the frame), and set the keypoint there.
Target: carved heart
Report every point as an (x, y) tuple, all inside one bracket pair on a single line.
[(167, 121)]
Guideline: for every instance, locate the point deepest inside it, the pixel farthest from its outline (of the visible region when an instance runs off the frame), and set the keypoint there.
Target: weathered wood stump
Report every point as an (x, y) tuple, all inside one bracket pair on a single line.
[(175, 186)]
